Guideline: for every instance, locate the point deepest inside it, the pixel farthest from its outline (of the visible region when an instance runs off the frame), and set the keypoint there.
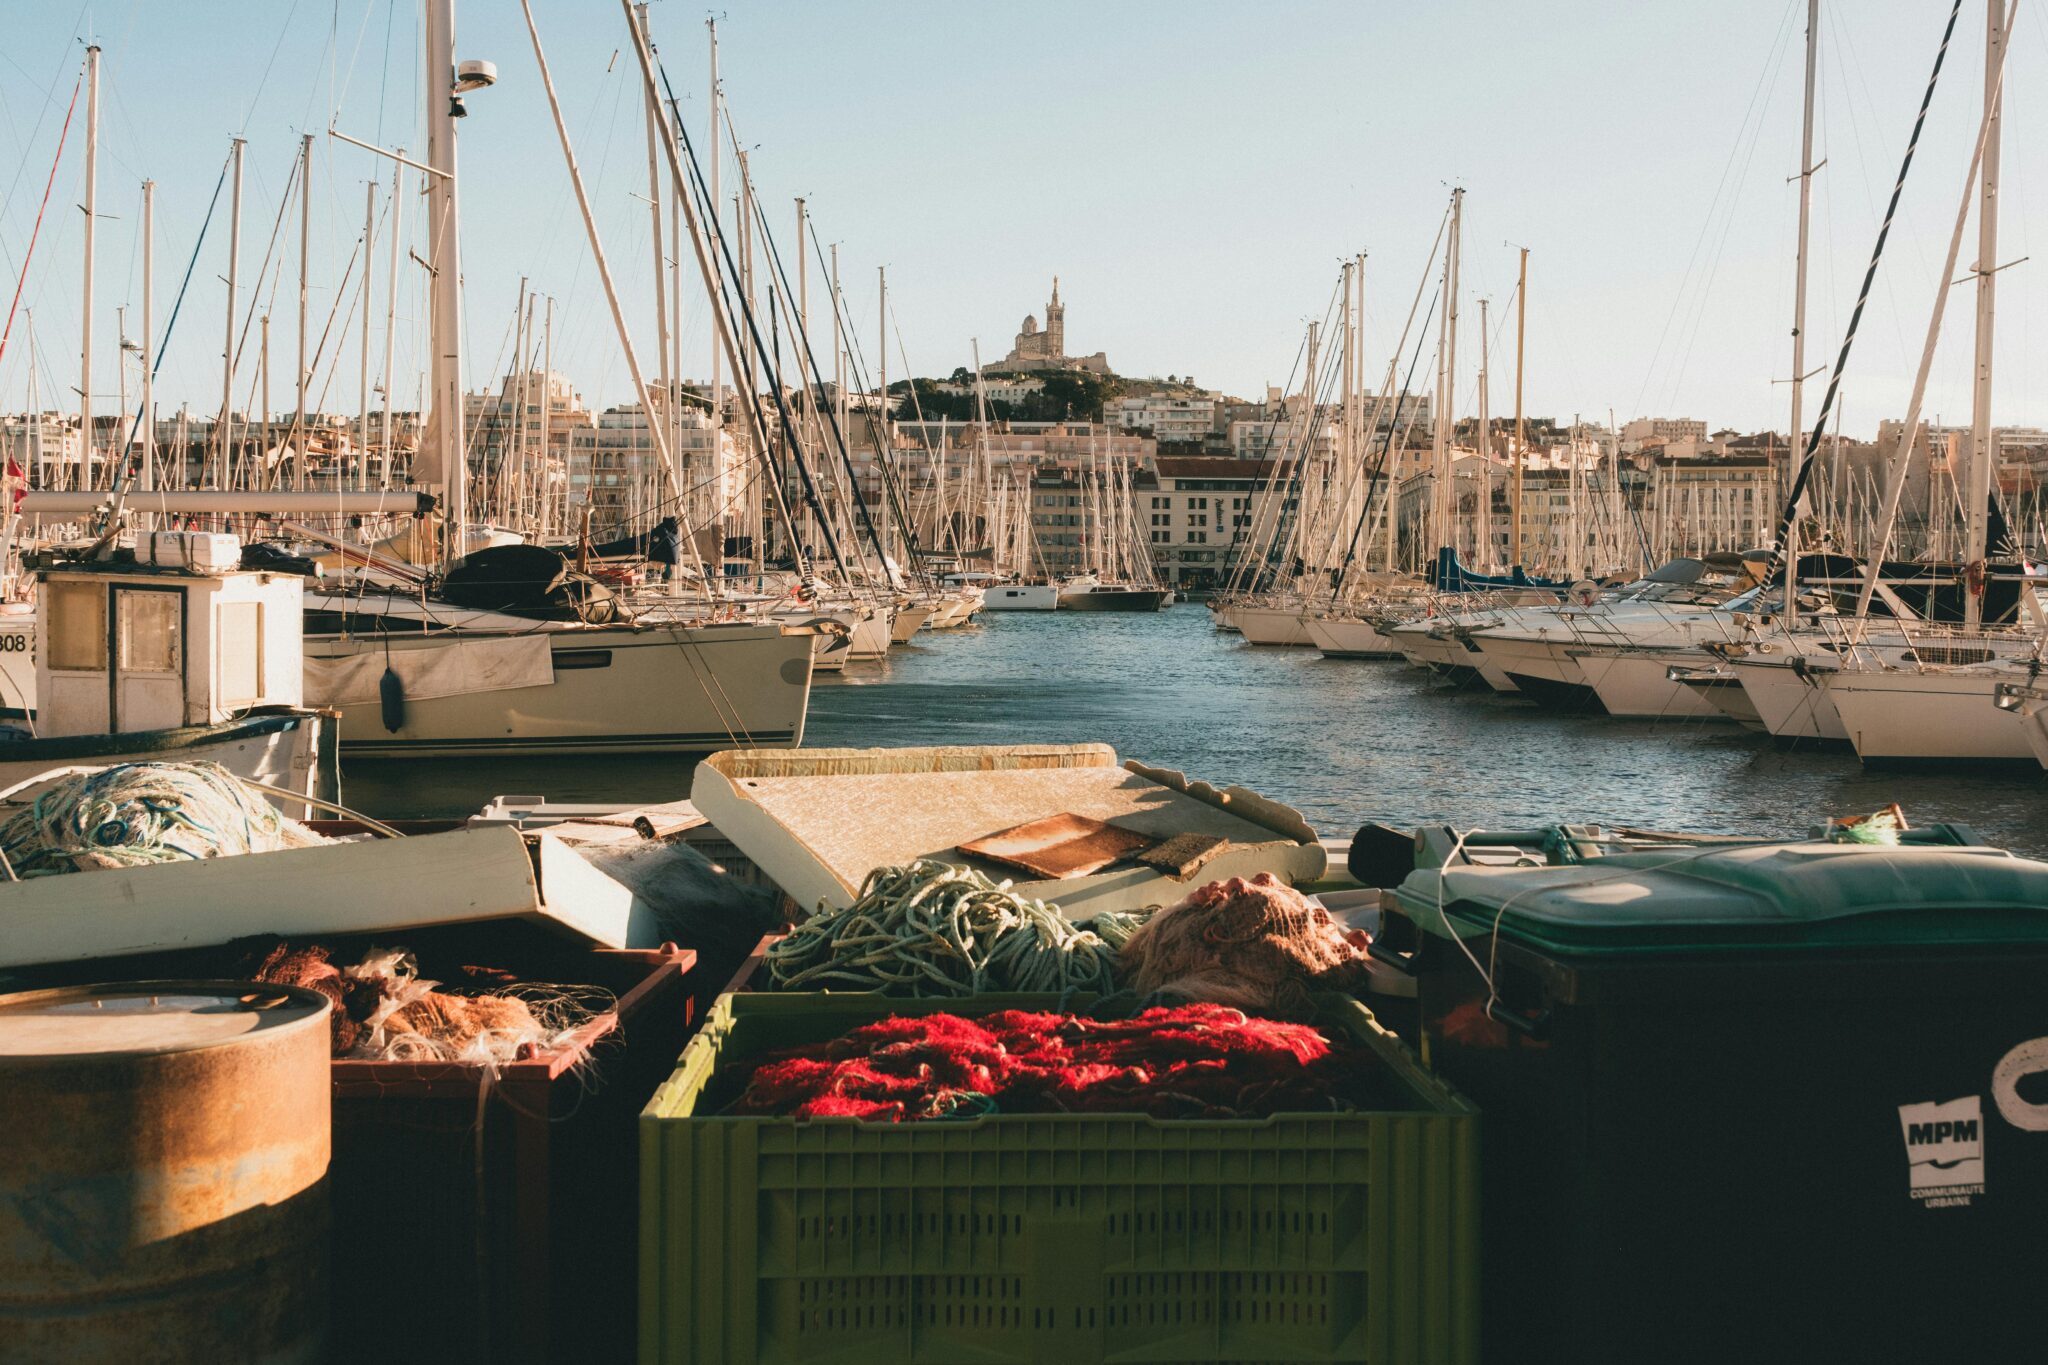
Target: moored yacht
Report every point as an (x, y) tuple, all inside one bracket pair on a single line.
[(1090, 593), (501, 663)]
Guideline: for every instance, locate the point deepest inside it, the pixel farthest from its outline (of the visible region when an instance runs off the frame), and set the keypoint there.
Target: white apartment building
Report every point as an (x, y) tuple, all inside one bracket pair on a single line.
[(1641, 431), (1207, 512), (1264, 438), (1169, 420), (615, 470), (997, 388), (1699, 507)]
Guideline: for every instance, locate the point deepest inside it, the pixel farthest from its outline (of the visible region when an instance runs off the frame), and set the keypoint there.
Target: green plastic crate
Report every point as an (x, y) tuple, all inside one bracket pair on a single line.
[(1066, 1238)]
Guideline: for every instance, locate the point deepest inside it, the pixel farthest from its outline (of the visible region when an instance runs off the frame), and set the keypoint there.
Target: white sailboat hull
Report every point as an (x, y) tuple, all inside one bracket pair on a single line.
[(1425, 650), (1341, 637), (871, 635), (1528, 656), (1791, 706), (1906, 714), (669, 689), (1719, 687), (1272, 626), (2034, 725), (1022, 597), (1638, 684), (908, 621)]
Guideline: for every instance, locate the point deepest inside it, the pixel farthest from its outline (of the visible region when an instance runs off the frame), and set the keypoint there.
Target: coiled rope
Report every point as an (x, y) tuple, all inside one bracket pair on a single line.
[(930, 928), (135, 814)]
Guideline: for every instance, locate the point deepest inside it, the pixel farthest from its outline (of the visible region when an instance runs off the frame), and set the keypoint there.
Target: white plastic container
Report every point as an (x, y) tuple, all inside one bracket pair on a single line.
[(211, 550)]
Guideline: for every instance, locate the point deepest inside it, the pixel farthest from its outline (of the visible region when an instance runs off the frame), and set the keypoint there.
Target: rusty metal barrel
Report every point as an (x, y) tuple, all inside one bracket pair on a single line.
[(163, 1173)]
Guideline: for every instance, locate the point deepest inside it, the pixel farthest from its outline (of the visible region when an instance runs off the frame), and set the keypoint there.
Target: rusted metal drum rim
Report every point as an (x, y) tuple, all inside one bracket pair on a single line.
[(163, 1181)]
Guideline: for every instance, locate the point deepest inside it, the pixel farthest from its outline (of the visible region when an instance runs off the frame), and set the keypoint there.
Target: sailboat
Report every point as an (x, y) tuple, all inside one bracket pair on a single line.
[(1120, 575), (1900, 705), (508, 652)]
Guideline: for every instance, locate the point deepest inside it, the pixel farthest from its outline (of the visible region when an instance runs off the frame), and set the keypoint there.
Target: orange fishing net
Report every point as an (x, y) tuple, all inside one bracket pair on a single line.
[(1256, 945)]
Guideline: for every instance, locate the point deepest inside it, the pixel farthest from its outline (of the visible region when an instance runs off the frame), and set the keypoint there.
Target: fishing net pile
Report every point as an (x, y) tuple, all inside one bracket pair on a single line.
[(384, 1009), (931, 928), (1186, 1061), (139, 813), (1258, 945)]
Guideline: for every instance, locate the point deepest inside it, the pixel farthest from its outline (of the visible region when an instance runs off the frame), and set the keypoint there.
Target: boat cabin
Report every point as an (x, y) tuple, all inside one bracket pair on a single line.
[(125, 647)]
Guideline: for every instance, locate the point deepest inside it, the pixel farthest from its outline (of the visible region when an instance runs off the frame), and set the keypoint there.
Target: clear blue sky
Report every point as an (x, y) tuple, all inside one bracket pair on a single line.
[(1193, 172)]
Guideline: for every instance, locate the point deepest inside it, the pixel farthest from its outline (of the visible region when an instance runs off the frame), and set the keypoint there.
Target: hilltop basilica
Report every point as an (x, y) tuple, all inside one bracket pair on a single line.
[(1047, 350)]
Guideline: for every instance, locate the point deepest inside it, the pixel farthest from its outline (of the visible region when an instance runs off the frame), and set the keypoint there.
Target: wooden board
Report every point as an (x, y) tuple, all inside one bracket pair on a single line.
[(1180, 856), (1063, 845)]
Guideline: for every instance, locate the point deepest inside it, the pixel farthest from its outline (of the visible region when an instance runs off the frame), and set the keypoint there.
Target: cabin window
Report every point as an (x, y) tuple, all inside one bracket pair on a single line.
[(147, 625), (78, 625)]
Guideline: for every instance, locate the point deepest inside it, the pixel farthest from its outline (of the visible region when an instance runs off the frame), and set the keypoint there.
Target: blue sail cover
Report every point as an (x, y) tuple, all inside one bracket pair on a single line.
[(1451, 576)]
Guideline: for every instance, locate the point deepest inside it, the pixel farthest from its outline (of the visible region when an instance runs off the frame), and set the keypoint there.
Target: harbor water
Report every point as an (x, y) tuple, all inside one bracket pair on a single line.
[(1343, 741)]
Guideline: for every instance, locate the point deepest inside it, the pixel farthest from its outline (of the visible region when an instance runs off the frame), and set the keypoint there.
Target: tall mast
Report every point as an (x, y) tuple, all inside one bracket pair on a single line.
[(547, 411), (888, 437), (443, 445), (391, 319), (1983, 449), (1521, 453), (666, 382), (299, 431), (1485, 443), (1799, 303), (92, 158), (749, 369), (1446, 379), (803, 318), (369, 300), (35, 408), (808, 426), (838, 342), (713, 267), (226, 431), (675, 319), (263, 385), (148, 327)]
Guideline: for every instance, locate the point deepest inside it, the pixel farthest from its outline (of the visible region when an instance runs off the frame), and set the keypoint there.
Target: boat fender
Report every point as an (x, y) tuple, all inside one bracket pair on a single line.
[(391, 696)]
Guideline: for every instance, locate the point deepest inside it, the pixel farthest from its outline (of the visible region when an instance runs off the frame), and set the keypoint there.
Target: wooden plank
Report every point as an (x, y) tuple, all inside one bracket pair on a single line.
[(1179, 856), (1063, 845), (380, 886)]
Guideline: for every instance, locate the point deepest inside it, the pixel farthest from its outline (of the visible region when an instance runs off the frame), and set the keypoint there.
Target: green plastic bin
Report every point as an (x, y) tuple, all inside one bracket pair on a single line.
[(1068, 1238), (1754, 1103)]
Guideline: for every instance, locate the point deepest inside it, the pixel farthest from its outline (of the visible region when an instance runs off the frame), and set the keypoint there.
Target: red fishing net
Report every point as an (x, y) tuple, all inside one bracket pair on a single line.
[(1189, 1061), (1258, 945)]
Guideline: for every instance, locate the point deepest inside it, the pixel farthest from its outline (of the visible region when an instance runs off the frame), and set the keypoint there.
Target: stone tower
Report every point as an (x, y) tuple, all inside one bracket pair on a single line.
[(1056, 322)]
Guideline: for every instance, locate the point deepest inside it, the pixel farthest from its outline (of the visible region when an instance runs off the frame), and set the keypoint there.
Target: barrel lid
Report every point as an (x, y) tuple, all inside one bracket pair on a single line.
[(1762, 897), (148, 1017)]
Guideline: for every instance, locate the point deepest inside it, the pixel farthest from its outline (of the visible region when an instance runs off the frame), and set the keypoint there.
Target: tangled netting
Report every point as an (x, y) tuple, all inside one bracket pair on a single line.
[(1258, 945), (139, 813), (930, 928), (1186, 1061), (383, 1008)]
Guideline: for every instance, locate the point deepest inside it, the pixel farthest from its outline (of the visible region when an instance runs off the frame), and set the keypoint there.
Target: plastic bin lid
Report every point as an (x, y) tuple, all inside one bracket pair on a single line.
[(1764, 896)]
